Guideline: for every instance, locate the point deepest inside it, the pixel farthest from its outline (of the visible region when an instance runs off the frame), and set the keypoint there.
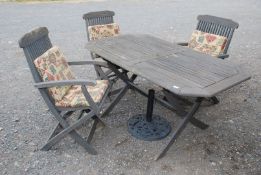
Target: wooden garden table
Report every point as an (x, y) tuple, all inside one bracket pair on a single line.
[(179, 70)]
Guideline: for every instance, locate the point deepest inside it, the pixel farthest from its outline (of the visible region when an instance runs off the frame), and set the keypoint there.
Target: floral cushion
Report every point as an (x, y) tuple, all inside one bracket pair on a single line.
[(52, 66), (75, 98), (207, 43), (103, 31)]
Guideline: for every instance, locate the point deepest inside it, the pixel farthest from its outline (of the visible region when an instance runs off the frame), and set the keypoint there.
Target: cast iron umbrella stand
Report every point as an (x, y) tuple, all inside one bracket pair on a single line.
[(148, 126)]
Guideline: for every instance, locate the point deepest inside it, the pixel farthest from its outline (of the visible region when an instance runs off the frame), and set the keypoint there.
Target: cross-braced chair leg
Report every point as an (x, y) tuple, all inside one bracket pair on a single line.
[(71, 131), (63, 128), (96, 121)]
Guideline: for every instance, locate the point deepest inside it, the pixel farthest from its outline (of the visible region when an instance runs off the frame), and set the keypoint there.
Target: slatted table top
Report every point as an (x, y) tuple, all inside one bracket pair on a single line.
[(176, 68)]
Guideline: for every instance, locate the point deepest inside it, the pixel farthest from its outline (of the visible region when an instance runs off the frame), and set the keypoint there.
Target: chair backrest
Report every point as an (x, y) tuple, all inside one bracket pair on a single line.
[(219, 26), (34, 44), (98, 18)]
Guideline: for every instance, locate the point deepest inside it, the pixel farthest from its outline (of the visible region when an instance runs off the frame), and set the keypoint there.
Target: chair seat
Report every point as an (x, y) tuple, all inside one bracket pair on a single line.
[(75, 97)]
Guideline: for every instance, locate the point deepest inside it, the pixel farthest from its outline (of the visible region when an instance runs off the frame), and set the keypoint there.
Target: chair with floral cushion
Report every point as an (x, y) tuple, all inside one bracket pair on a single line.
[(61, 91), (212, 35), (100, 24)]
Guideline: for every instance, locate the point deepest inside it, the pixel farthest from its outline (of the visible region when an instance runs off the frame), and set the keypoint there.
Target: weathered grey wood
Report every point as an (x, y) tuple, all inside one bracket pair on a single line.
[(173, 67), (131, 50)]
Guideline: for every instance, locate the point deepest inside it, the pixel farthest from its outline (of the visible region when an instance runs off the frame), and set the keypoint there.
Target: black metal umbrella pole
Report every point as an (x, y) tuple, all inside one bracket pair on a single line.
[(149, 126)]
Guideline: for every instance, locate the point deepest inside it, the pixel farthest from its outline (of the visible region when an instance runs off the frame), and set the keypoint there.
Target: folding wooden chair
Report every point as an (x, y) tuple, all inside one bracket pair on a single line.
[(62, 93), (94, 19), (218, 26)]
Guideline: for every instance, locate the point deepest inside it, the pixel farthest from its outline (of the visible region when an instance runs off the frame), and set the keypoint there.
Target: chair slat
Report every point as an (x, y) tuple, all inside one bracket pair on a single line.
[(219, 29), (215, 28)]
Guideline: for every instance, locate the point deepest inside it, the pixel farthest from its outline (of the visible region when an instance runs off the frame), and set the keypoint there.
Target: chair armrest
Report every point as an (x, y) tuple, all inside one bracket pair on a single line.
[(183, 43), (98, 63), (48, 84), (223, 56)]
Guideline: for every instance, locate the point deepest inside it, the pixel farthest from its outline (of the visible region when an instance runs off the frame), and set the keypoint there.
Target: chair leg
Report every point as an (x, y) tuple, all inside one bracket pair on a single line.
[(74, 135), (109, 74), (99, 72), (175, 102), (71, 130), (59, 127), (93, 130), (181, 101), (211, 101), (214, 100), (116, 100), (105, 74), (99, 120), (81, 114), (114, 92), (198, 123), (181, 127), (56, 131)]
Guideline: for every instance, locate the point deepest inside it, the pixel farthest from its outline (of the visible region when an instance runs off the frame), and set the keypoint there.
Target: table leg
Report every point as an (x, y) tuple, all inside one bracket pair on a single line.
[(174, 101), (181, 127), (150, 105)]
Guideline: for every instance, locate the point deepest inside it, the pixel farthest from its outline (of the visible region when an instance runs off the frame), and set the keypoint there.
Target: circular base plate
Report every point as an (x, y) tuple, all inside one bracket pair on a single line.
[(157, 129)]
